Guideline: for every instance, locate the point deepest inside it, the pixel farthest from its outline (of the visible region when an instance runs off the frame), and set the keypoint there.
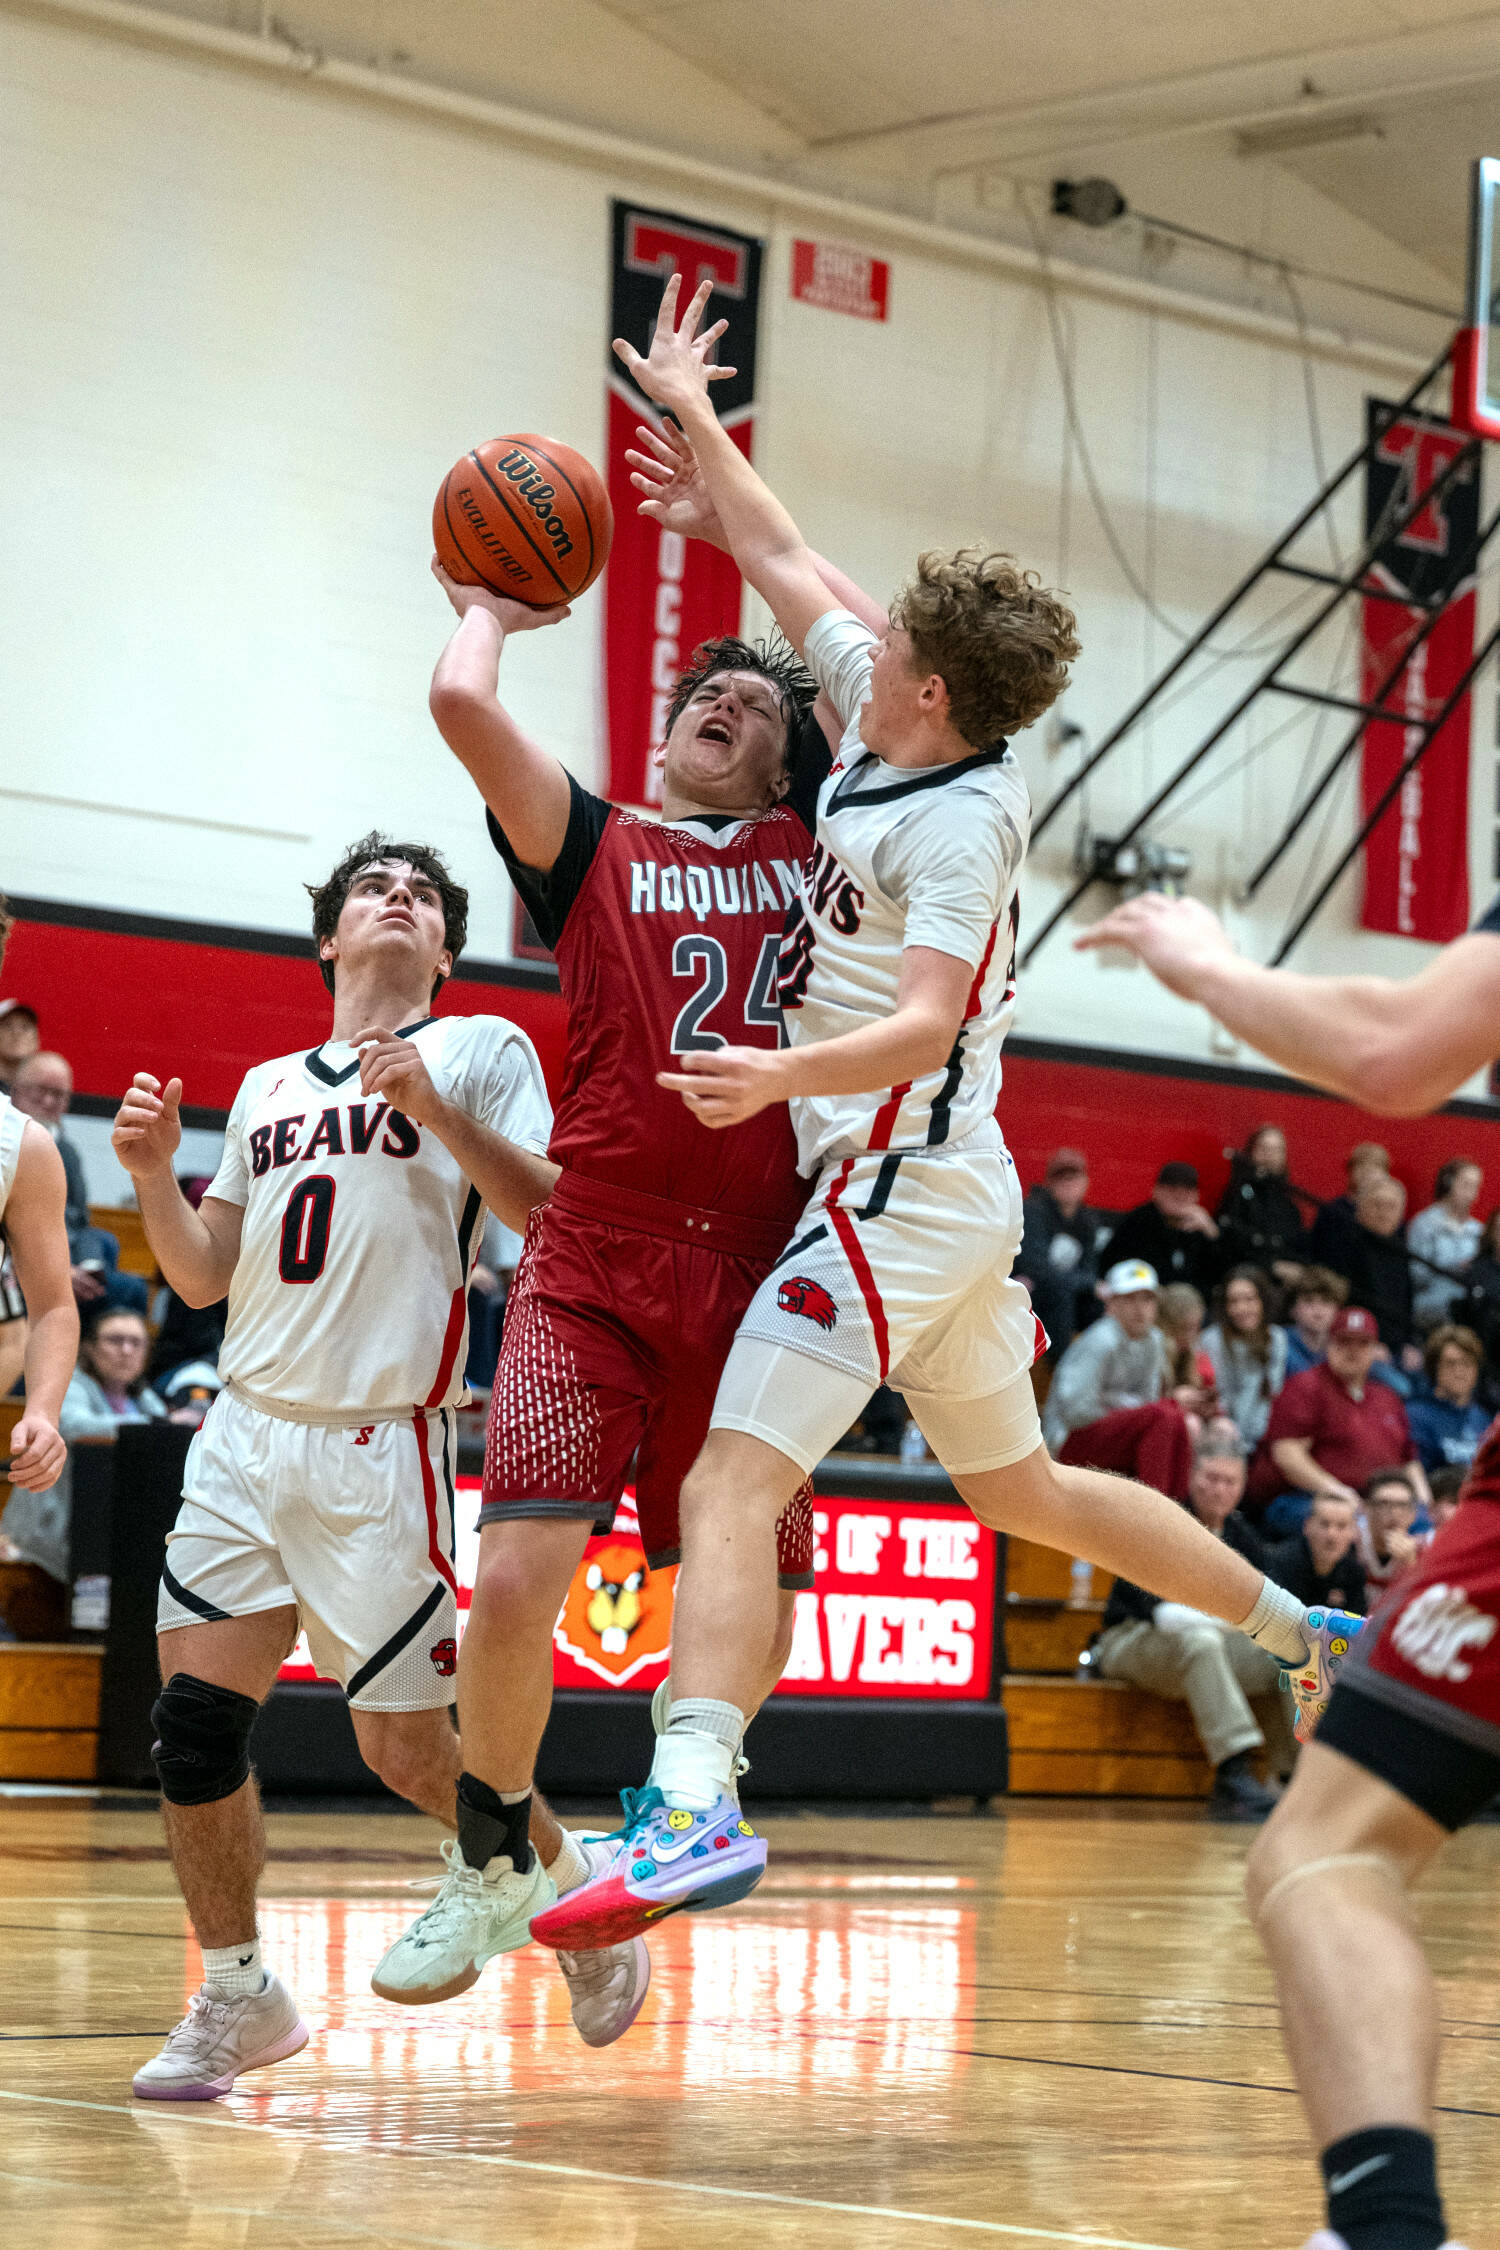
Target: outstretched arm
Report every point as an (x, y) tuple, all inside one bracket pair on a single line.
[(524, 786), (34, 1223), (762, 537), (1400, 1049)]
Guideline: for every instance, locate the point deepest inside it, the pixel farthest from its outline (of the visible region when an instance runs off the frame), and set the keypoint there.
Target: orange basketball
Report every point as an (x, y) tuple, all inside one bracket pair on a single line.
[(526, 517)]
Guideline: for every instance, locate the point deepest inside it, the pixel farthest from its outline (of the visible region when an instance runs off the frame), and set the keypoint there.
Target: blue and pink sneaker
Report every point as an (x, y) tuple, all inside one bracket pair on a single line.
[(664, 1861), (1332, 1633)]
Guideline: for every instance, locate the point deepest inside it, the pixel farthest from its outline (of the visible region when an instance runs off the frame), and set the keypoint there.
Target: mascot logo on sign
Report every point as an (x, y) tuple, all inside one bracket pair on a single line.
[(810, 1298), (617, 1617)]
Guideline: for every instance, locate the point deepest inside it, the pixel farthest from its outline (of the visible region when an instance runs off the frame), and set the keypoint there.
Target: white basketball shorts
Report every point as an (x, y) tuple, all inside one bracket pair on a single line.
[(352, 1524), (898, 1271)]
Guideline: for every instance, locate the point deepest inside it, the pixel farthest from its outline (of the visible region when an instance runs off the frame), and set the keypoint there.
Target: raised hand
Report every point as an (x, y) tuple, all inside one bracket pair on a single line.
[(1177, 938), (393, 1069), (678, 369), (515, 617), (676, 496), (148, 1127)]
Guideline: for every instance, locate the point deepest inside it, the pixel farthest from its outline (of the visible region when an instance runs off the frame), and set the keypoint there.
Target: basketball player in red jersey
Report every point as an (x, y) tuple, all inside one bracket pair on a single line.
[(657, 1234), (1408, 1750)]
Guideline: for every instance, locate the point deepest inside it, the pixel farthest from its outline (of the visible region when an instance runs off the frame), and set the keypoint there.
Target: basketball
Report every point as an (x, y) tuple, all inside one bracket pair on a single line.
[(526, 517)]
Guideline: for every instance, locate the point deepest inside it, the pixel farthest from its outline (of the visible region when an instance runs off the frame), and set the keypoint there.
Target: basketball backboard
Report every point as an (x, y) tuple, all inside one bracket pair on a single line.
[(1476, 348)]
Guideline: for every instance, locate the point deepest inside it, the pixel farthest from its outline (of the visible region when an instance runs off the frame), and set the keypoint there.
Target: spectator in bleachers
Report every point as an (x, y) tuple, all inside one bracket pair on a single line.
[(43, 1090), (188, 1337), (19, 1037), (1331, 1429), (1449, 1423), (1172, 1234), (1316, 1298), (1108, 1407), (1479, 1306), (1058, 1259), (1445, 1235), (1176, 1652), (1247, 1354), (1259, 1221), (1445, 1487), (1389, 1542), (109, 1383), (1378, 1270), (1320, 1563), (1332, 1231), (1181, 1315)]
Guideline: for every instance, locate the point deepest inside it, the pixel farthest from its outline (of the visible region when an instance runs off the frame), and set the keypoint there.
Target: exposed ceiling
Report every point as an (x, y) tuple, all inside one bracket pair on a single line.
[(1205, 111)]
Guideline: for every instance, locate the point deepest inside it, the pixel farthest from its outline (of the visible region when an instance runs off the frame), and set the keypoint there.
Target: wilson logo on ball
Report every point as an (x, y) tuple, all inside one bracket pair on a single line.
[(810, 1298), (524, 475), (524, 516)]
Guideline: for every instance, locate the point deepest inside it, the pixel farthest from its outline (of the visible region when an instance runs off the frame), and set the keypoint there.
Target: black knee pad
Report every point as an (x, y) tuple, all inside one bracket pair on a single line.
[(202, 1749)]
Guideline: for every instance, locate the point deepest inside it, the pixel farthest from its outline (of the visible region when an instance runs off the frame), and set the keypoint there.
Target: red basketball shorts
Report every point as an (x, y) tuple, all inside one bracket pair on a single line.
[(1418, 1703), (620, 1318)]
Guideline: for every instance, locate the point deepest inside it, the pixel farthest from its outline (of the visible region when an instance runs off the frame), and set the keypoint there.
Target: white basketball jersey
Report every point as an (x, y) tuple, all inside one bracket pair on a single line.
[(349, 1301), (12, 1126), (904, 856)]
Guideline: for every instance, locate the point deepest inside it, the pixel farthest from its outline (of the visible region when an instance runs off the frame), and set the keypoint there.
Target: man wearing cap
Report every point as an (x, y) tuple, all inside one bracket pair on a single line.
[(1108, 1406), (1058, 1259), (1172, 1232), (19, 1038), (1332, 1428)]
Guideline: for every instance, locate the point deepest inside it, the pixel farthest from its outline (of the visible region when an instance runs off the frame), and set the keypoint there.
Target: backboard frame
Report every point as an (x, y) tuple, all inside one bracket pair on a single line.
[(1476, 384)]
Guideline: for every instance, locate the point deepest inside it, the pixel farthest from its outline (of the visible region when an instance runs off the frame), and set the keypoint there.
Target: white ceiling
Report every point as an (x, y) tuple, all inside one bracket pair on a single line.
[(942, 106)]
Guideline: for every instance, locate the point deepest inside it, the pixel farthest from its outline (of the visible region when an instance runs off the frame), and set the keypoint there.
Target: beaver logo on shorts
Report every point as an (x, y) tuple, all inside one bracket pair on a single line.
[(809, 1298), (444, 1656)]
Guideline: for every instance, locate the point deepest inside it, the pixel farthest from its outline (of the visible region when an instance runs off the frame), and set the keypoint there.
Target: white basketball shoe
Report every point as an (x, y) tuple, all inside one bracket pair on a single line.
[(479, 1913), (219, 2038), (606, 1987)]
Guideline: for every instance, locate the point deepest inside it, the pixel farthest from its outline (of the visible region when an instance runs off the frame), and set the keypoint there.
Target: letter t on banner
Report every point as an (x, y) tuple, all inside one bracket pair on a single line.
[(664, 594)]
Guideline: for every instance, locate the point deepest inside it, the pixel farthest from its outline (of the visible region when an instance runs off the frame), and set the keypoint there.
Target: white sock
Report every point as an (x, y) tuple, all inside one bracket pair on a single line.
[(570, 1868), (692, 1769), (1277, 1624), (701, 1715), (235, 1969)]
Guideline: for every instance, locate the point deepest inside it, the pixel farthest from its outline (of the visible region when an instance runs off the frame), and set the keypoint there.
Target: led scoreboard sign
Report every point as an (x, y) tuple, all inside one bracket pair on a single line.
[(903, 1607)]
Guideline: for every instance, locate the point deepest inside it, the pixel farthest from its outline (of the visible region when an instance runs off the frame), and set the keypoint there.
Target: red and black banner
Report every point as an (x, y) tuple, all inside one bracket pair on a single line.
[(1417, 859), (664, 594)]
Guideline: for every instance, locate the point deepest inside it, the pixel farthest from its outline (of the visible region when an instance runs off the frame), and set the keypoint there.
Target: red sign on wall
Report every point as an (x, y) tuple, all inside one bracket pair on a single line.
[(840, 280), (904, 1606)]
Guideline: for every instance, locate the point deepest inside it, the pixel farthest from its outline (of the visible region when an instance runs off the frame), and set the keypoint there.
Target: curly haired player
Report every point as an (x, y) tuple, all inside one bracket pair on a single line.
[(897, 981)]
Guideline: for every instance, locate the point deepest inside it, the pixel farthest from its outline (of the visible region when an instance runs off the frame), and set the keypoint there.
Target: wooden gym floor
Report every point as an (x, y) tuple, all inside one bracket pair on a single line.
[(1048, 2025)]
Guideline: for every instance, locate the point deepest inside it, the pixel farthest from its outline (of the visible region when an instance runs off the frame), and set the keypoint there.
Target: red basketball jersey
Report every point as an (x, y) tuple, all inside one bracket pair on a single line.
[(666, 941)]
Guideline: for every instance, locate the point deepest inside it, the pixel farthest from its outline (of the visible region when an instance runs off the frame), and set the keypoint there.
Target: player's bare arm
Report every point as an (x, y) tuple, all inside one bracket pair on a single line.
[(36, 1230), (1398, 1048), (525, 787), (728, 1084), (762, 537), (511, 1179), (196, 1250)]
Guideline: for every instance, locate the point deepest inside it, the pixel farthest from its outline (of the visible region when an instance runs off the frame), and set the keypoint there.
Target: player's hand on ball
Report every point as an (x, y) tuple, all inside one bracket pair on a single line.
[(725, 1085), (676, 496), (37, 1454), (392, 1069), (678, 368), (515, 617), (1177, 938), (148, 1128)]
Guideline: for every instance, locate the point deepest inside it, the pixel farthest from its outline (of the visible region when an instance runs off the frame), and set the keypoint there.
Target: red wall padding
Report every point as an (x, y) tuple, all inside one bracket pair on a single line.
[(115, 1004)]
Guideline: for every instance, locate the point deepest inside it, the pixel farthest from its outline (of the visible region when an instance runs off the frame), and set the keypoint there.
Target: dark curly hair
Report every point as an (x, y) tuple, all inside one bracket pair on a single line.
[(328, 898), (996, 636), (775, 660)]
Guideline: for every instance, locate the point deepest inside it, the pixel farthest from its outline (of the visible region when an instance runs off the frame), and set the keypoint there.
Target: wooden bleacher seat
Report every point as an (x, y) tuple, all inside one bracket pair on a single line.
[(1075, 1735), (124, 1222)]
